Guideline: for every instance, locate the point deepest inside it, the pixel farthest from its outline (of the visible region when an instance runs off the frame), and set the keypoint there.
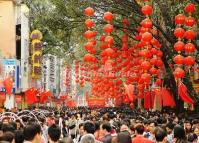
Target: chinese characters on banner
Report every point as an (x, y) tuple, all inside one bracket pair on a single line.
[(36, 49)]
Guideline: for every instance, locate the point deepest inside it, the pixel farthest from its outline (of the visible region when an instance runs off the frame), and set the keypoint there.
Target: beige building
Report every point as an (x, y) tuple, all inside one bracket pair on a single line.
[(7, 29)]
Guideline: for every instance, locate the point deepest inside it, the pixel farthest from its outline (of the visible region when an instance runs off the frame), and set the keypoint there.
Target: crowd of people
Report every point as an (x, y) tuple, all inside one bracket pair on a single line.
[(100, 125)]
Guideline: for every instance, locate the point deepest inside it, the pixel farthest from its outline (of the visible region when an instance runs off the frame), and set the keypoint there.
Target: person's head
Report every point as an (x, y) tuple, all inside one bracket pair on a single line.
[(169, 127), (66, 140), (179, 132), (5, 121), (196, 130), (88, 138), (152, 126), (54, 133), (187, 126), (123, 138), (89, 127), (139, 129), (192, 137), (7, 128), (81, 129), (7, 136), (32, 132), (106, 128), (160, 135), (19, 137), (18, 124)]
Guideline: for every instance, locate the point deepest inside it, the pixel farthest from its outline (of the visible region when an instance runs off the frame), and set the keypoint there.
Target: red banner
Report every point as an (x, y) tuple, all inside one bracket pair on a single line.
[(96, 102)]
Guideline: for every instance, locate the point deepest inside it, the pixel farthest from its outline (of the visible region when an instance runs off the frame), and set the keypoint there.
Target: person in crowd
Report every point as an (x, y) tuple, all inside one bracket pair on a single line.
[(66, 139), (179, 135), (106, 130), (32, 133), (7, 136), (188, 127), (139, 130), (88, 138), (160, 135), (54, 133), (123, 137), (192, 138), (81, 132), (169, 130), (19, 137)]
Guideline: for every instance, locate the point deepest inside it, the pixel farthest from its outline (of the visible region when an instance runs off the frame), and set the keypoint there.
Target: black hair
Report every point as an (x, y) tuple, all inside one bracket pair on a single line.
[(179, 132), (140, 129), (7, 128), (19, 137), (107, 127), (7, 136), (160, 134), (54, 132), (123, 138), (89, 127), (30, 131)]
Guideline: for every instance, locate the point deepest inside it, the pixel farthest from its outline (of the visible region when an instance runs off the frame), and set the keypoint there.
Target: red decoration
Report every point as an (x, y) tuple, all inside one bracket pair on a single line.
[(90, 34), (190, 21), (190, 8), (125, 21), (146, 65), (89, 46), (147, 10), (189, 48), (89, 23), (147, 23), (179, 73), (89, 58), (147, 37), (179, 32), (189, 61), (167, 98), (182, 90), (8, 85), (109, 40), (146, 78), (89, 11), (108, 28), (108, 16), (180, 19), (190, 34), (179, 60), (179, 46)]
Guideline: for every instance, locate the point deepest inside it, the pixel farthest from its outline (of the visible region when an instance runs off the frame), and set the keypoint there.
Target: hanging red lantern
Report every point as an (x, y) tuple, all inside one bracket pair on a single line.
[(89, 58), (159, 54), (179, 32), (147, 10), (109, 40), (179, 46), (108, 28), (159, 63), (179, 60), (180, 19), (154, 51), (190, 21), (89, 23), (108, 16), (147, 23), (146, 65), (147, 37), (90, 34), (190, 8), (143, 30), (189, 61), (146, 78), (179, 73), (103, 46), (102, 38), (109, 52), (89, 46), (153, 61), (189, 48), (153, 71), (190, 34), (89, 11), (145, 53)]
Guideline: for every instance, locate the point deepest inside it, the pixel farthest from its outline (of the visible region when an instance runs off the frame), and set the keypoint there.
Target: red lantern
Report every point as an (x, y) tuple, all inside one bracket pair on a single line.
[(102, 38), (90, 34), (190, 34), (189, 48), (89, 11), (108, 16), (109, 40), (179, 59), (159, 54), (89, 46), (153, 61), (179, 32), (146, 78), (154, 51), (179, 46), (158, 82), (159, 63), (190, 21), (147, 10), (103, 46), (179, 19), (147, 37), (153, 71), (190, 8), (89, 58), (109, 52), (146, 65), (89, 23), (147, 23), (179, 73), (145, 53), (189, 61), (108, 28)]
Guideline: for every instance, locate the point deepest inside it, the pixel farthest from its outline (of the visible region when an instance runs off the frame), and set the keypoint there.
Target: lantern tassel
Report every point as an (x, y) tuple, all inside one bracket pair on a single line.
[(182, 90)]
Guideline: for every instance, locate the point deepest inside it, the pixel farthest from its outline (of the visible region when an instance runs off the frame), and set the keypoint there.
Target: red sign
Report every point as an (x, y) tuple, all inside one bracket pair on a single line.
[(96, 102), (18, 98)]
